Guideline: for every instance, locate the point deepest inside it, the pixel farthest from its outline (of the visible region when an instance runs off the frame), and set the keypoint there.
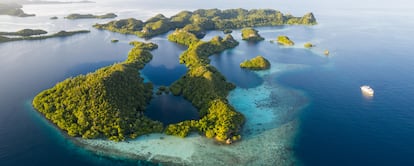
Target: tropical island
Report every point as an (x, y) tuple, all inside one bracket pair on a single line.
[(25, 32), (109, 103), (28, 34), (284, 40), (251, 34), (89, 16), (308, 45), (256, 63), (13, 9), (205, 20)]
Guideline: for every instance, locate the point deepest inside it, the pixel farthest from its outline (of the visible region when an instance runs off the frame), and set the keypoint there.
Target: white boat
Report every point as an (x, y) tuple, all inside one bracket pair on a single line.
[(366, 90)]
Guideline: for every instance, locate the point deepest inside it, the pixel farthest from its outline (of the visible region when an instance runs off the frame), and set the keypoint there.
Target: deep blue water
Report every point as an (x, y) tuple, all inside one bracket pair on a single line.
[(370, 43)]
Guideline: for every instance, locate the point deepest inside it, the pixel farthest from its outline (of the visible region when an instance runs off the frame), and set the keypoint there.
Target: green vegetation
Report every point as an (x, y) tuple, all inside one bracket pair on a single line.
[(162, 89), (183, 37), (207, 90), (308, 45), (251, 34), (256, 63), (203, 20), (25, 32), (107, 103), (284, 40), (145, 46), (87, 16), (13, 10), (58, 34)]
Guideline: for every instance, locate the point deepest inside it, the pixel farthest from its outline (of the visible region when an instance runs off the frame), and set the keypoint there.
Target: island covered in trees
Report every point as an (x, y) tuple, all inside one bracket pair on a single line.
[(35, 34), (251, 34), (109, 103), (256, 63), (88, 16), (206, 19)]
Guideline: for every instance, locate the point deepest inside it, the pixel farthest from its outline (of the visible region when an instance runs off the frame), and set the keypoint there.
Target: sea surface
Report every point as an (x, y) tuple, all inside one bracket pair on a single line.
[(370, 43)]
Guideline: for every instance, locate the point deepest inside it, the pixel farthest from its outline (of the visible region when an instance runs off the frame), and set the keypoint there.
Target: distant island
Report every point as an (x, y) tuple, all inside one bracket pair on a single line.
[(284, 40), (29, 34), (109, 103), (25, 32), (256, 63), (13, 9), (251, 34), (88, 16), (206, 19)]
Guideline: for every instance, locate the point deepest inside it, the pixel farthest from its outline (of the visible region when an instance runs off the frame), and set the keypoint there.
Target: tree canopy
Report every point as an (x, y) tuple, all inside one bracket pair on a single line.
[(106, 103), (199, 21)]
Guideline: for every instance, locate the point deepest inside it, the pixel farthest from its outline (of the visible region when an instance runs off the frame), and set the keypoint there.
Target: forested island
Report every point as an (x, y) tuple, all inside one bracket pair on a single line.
[(256, 63), (251, 34), (107, 103), (25, 32), (206, 19), (13, 9), (89, 16), (29, 34), (284, 40)]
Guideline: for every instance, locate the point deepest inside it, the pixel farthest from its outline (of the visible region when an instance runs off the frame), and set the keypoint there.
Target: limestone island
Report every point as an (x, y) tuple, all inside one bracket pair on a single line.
[(107, 103), (53, 18), (25, 32), (284, 40), (114, 40), (89, 16), (110, 102), (308, 45), (250, 34), (205, 20), (256, 63), (13, 9), (38, 37)]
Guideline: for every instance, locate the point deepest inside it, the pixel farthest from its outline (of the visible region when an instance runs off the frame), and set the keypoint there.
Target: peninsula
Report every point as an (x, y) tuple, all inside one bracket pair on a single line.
[(206, 19)]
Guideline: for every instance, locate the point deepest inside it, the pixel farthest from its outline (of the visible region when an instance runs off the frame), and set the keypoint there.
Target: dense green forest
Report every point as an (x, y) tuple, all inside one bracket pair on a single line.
[(256, 63), (86, 16), (199, 21), (251, 34), (106, 103), (207, 90), (58, 34)]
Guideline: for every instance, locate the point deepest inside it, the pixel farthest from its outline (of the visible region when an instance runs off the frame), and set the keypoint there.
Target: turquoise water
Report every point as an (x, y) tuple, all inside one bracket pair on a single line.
[(370, 43)]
